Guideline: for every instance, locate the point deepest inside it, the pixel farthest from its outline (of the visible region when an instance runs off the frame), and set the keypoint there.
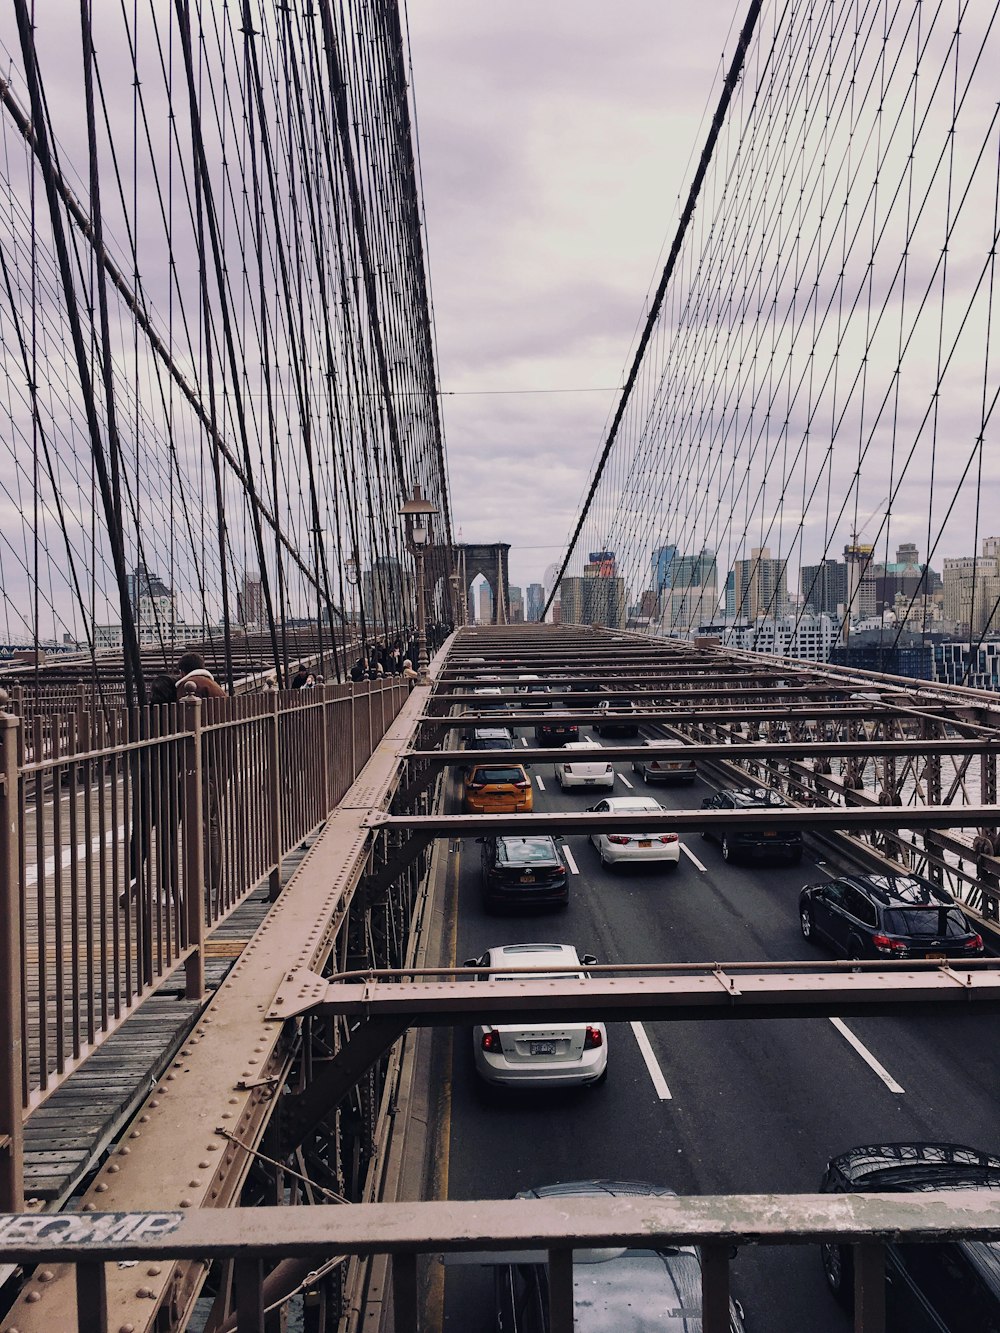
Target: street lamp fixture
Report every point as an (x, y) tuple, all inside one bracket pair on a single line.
[(418, 513)]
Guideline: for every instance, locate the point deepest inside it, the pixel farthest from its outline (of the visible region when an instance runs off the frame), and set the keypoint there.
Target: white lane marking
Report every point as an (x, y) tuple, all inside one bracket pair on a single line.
[(623, 778), (691, 857), (655, 1073), (574, 869), (866, 1055), (541, 784), (524, 741)]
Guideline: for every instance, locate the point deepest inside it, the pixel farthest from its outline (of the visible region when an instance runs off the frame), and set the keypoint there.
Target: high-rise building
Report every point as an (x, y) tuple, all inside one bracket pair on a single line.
[(594, 599), (250, 601), (862, 592), (485, 604), (693, 596), (153, 609), (759, 586), (515, 611), (660, 562), (824, 586), (972, 589), (535, 602)]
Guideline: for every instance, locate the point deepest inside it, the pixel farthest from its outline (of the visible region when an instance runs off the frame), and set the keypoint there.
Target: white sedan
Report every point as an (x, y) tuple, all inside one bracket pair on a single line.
[(580, 769), (539, 1055), (638, 847)]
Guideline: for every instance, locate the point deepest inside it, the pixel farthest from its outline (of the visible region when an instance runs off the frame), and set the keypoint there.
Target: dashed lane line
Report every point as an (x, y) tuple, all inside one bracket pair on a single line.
[(691, 857), (541, 784), (622, 778), (570, 860), (866, 1055), (655, 1072)]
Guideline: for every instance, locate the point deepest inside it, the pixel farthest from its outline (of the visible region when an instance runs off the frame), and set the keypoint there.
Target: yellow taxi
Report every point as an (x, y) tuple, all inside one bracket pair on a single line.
[(497, 789)]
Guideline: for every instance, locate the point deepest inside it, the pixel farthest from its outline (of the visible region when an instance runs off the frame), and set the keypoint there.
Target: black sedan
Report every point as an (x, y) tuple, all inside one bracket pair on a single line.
[(628, 1291), (548, 732), (523, 872), (760, 842), (887, 916), (944, 1286)]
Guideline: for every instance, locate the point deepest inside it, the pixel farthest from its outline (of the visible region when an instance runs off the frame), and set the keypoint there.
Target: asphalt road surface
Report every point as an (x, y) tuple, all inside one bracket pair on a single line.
[(708, 1108)]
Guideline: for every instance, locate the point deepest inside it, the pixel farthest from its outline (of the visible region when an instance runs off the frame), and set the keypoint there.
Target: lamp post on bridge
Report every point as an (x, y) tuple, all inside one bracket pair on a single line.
[(418, 513)]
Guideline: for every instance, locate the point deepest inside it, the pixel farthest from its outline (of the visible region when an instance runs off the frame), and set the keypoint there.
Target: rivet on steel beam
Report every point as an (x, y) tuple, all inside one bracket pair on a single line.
[(46, 1275), (185, 1203), (155, 1271), (32, 1297), (102, 1188), (113, 1169)]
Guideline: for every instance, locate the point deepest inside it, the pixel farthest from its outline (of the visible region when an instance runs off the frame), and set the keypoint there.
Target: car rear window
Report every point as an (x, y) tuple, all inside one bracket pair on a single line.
[(526, 849), (927, 921), (509, 774)]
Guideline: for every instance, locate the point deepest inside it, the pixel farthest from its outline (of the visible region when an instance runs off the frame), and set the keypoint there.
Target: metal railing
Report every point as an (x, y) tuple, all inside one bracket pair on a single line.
[(104, 1248), (128, 835)]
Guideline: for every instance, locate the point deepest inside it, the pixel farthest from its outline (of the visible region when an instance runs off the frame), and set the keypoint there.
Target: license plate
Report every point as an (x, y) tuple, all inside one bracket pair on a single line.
[(770, 835), (937, 957), (527, 879), (645, 842), (590, 781), (543, 1048)]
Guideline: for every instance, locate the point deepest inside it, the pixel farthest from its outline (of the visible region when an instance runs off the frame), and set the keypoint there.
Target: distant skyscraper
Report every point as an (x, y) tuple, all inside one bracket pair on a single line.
[(759, 585), (485, 604), (660, 562), (535, 601), (824, 586), (693, 597), (250, 601), (515, 611)]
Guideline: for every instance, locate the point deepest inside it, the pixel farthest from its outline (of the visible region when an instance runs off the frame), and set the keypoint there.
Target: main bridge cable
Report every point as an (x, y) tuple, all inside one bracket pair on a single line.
[(732, 78), (40, 143)]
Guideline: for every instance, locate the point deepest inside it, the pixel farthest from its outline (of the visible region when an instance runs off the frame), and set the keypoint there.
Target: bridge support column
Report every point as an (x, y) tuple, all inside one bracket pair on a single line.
[(11, 1124)]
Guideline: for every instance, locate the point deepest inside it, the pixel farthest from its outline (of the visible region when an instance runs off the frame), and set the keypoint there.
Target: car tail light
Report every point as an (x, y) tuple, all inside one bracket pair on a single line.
[(607, 768), (592, 1039), (668, 837), (885, 945), (522, 784), (491, 1040), (619, 839), (975, 943)]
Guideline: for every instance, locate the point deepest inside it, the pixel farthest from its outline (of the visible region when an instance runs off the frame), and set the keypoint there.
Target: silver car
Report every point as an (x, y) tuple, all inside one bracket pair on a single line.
[(664, 767), (539, 1055)]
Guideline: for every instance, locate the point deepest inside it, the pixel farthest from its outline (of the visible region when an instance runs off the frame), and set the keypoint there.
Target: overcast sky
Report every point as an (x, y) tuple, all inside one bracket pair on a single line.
[(556, 141)]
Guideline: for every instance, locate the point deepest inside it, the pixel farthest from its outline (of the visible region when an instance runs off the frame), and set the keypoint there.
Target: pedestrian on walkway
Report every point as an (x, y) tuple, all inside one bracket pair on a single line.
[(300, 677), (156, 811), (409, 675), (196, 679)]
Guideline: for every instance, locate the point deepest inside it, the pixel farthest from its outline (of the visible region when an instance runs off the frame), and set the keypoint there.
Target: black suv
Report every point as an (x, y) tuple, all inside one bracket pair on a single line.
[(941, 1286), (556, 733), (887, 916), (616, 717), (522, 872), (753, 844)]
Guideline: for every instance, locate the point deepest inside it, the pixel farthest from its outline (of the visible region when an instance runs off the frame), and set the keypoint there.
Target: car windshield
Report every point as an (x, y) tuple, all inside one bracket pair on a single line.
[(527, 849), (498, 775), (933, 922)]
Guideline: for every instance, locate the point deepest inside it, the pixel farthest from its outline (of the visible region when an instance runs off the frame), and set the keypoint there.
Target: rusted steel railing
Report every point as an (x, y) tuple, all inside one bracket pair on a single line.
[(129, 834)]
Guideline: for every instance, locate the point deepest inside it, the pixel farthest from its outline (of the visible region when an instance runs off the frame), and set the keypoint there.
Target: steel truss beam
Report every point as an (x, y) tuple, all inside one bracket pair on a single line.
[(814, 819), (778, 750)]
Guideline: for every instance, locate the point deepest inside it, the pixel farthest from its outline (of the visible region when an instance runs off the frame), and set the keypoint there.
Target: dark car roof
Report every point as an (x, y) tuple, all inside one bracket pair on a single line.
[(516, 848), (891, 1167), (900, 890), (748, 797)]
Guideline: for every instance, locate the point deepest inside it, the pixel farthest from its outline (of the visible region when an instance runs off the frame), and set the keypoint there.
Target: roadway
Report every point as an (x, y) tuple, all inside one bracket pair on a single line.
[(713, 1108)]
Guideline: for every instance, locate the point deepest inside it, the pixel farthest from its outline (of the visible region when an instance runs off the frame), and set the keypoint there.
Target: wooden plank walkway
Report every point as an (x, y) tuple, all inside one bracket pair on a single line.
[(66, 1137)]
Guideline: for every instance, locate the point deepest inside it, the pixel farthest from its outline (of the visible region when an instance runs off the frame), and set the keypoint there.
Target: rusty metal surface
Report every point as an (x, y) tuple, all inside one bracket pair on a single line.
[(226, 1075), (696, 991), (779, 750), (449, 1226), (841, 817)]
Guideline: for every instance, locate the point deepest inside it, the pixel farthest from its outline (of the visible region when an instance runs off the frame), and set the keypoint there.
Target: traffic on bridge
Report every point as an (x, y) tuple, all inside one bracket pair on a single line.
[(544, 879)]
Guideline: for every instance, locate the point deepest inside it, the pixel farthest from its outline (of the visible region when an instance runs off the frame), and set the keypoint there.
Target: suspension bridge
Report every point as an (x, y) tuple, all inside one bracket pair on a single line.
[(243, 938)]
